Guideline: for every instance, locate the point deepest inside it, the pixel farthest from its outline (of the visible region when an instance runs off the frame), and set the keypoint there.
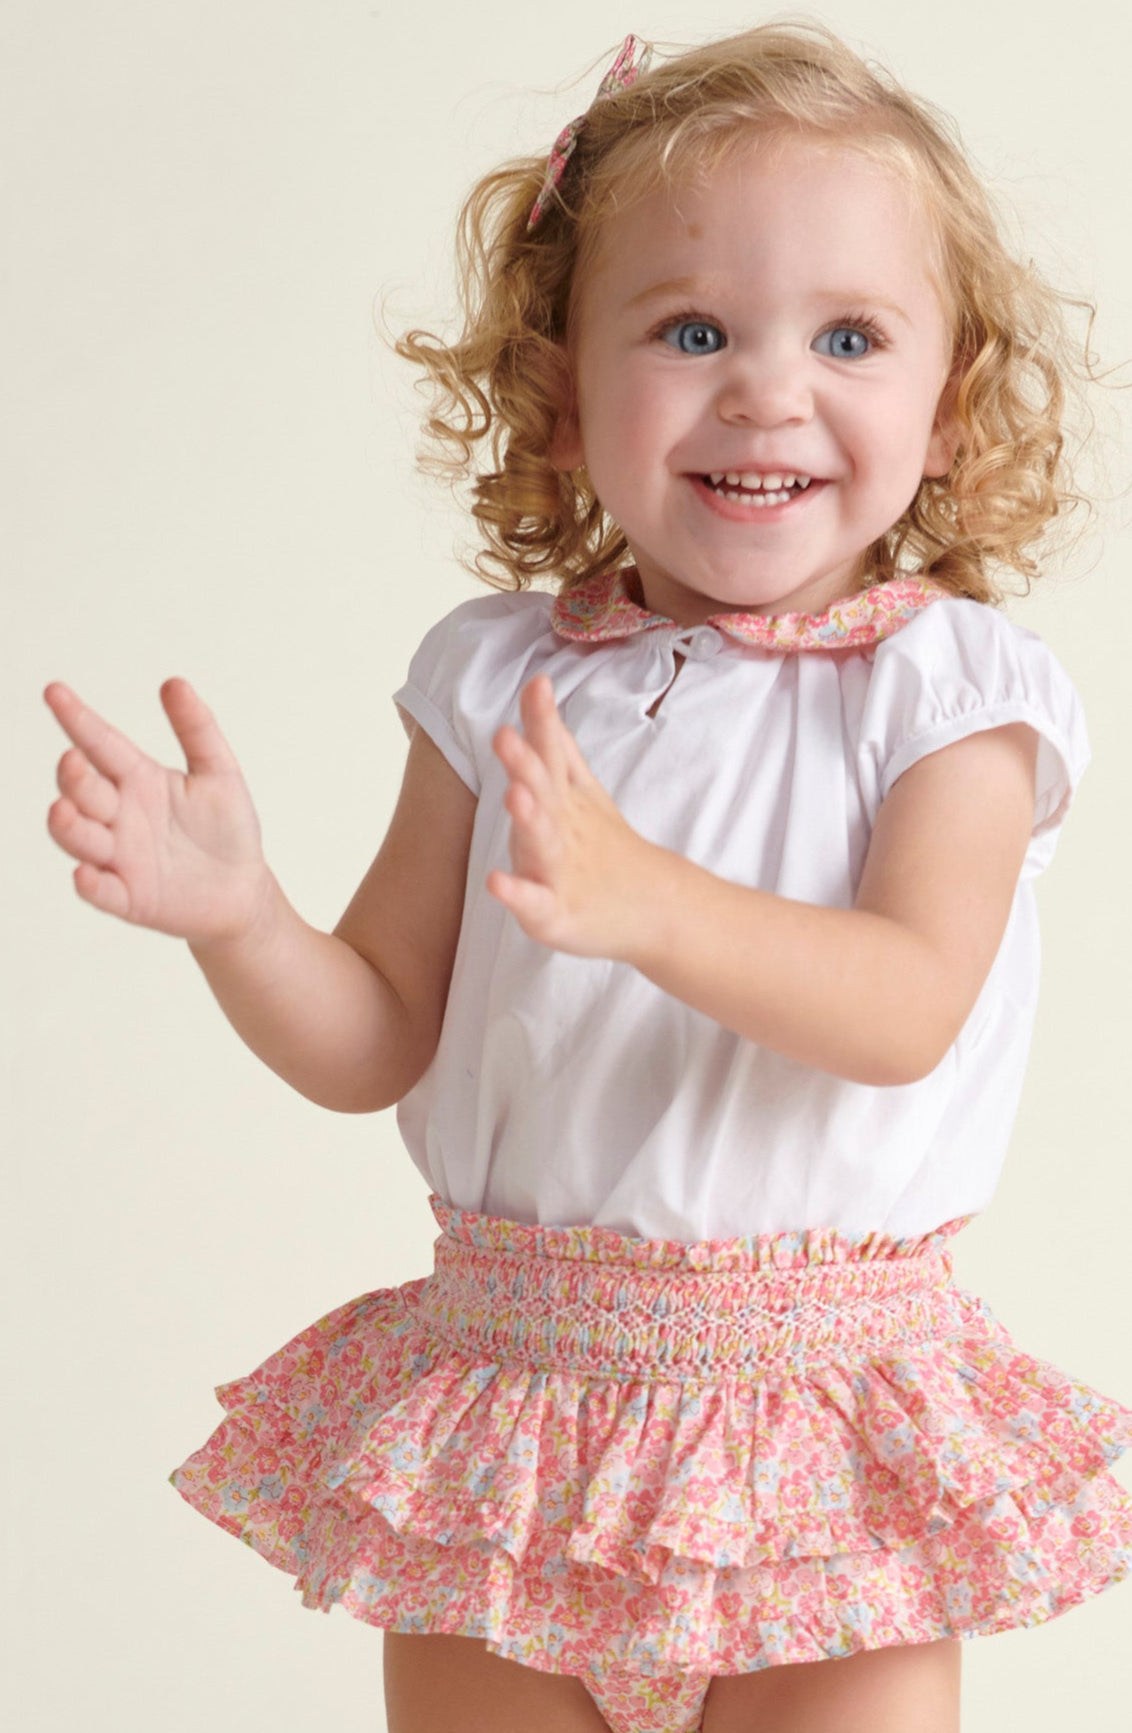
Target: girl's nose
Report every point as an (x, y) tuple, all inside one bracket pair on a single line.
[(765, 393)]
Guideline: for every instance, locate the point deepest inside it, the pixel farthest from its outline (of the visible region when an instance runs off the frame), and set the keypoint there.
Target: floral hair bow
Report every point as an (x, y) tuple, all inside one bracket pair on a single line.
[(632, 59)]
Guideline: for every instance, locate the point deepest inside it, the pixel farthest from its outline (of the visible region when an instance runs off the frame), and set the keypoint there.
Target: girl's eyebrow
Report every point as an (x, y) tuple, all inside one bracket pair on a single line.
[(671, 286), (695, 287)]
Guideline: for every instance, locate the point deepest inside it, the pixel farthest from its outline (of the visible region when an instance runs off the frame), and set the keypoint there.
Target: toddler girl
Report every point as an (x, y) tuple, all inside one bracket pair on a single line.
[(700, 958)]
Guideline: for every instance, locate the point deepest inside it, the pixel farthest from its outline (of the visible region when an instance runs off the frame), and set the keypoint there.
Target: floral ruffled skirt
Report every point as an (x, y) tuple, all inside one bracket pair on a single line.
[(623, 1457)]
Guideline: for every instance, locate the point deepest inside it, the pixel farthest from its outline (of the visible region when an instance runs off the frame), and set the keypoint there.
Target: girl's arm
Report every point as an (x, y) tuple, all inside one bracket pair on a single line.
[(351, 1019), (876, 993)]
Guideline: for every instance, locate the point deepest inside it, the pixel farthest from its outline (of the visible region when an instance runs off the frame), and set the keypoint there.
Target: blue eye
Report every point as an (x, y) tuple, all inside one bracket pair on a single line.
[(841, 350), (694, 337)]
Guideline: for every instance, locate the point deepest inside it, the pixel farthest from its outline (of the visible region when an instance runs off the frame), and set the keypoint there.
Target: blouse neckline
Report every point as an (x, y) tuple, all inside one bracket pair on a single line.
[(602, 608)]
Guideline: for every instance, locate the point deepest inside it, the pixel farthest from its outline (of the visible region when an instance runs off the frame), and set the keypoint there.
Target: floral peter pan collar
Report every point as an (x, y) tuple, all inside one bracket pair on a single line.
[(603, 608)]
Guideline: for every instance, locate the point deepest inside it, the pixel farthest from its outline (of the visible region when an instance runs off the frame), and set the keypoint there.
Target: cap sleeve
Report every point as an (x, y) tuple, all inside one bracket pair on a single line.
[(959, 667), (464, 671)]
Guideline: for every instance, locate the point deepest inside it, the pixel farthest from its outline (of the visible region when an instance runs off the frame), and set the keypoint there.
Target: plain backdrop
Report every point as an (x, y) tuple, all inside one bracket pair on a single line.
[(208, 468)]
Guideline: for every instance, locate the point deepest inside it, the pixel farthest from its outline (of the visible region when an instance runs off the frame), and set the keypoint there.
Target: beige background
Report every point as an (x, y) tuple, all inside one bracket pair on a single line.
[(209, 457)]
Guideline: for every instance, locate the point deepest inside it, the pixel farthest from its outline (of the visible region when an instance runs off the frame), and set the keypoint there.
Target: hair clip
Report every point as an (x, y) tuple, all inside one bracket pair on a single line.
[(624, 72)]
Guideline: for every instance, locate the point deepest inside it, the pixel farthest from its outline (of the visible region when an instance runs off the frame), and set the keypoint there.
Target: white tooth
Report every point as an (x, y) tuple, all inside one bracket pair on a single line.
[(733, 478), (716, 477), (750, 479), (771, 482), (803, 480), (789, 480)]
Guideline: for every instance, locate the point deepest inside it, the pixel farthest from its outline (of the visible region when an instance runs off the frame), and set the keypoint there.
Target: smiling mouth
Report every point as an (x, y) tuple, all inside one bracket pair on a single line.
[(758, 490)]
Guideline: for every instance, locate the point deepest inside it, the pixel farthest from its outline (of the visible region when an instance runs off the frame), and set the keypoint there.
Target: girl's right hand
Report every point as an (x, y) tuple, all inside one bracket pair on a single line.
[(158, 847)]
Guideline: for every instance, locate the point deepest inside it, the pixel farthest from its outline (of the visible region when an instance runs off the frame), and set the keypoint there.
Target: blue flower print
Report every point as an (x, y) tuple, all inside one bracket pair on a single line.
[(554, 1638), (370, 1588), (1026, 1426), (311, 1419), (897, 1442), (480, 1481), (859, 1617), (767, 1476), (1084, 1404), (1026, 1567), (775, 1635), (833, 1494), (733, 1508)]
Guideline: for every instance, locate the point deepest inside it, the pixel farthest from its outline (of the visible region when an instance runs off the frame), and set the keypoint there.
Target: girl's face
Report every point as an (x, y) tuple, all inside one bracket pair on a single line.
[(775, 321)]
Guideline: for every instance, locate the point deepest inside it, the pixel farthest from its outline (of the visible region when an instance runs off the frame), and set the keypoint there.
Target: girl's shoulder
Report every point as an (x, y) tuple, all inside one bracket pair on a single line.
[(507, 618), (960, 666), (484, 645), (961, 621), (964, 653), (498, 625)]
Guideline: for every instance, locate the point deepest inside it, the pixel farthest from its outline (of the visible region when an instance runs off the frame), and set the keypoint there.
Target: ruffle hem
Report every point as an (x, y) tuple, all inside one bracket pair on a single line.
[(599, 1452)]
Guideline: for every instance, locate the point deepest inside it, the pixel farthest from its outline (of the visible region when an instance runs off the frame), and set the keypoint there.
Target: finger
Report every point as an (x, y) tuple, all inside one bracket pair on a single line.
[(108, 749), (102, 890), (533, 828), (84, 838), (545, 728), (531, 904), (205, 748), (522, 762), (94, 796)]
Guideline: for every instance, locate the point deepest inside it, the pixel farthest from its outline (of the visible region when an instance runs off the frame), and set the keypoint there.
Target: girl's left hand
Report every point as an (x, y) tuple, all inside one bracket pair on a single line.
[(577, 865)]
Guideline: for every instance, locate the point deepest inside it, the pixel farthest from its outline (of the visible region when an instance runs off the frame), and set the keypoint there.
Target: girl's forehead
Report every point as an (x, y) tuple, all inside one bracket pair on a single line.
[(832, 205), (807, 207)]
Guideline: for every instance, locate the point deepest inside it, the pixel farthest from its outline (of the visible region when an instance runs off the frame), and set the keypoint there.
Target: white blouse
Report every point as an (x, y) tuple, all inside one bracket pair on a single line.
[(568, 1090)]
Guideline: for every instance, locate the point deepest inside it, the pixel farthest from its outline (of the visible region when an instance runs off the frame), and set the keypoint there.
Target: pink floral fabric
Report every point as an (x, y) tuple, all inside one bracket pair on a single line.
[(646, 1462), (604, 607)]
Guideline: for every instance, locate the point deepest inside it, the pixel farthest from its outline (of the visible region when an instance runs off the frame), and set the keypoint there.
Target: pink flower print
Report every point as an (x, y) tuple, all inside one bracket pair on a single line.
[(538, 1592), (795, 1490), (905, 1524)]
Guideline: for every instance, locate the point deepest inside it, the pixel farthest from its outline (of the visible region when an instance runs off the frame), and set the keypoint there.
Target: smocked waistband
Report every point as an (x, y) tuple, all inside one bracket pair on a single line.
[(576, 1298)]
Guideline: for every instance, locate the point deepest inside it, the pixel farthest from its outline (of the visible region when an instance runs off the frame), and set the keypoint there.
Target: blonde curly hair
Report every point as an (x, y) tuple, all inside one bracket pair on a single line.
[(504, 377)]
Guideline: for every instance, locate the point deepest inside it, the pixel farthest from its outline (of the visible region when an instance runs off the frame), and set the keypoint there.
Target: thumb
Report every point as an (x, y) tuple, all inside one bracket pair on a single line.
[(205, 748)]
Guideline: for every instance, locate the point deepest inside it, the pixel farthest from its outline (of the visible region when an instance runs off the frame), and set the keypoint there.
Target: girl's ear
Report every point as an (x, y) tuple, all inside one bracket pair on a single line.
[(566, 450), (946, 429)]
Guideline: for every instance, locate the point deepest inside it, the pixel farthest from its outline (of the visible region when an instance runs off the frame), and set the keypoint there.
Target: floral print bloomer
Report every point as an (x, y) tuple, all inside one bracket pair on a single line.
[(646, 1462)]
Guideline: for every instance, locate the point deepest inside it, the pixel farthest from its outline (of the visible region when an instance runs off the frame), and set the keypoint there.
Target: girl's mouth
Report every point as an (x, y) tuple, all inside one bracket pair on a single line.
[(745, 498)]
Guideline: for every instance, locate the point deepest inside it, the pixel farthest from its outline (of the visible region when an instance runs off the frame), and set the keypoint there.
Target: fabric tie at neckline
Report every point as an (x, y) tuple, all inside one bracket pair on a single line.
[(601, 608)]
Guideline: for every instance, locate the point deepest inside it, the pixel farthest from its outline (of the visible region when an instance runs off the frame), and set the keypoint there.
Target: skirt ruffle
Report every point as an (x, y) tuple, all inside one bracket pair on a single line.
[(594, 1451)]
